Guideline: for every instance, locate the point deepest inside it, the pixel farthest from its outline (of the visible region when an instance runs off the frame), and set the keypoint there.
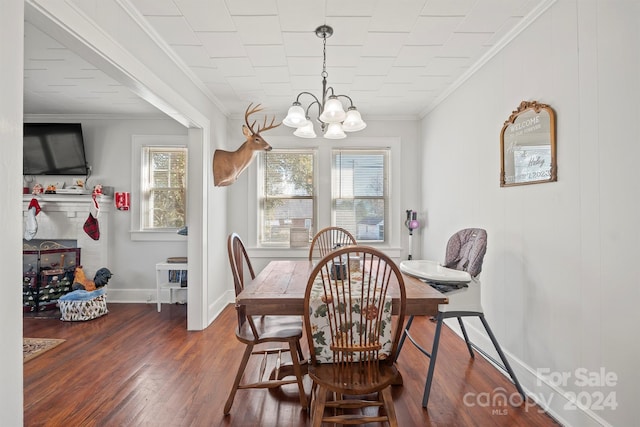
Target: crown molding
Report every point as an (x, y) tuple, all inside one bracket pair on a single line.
[(501, 44)]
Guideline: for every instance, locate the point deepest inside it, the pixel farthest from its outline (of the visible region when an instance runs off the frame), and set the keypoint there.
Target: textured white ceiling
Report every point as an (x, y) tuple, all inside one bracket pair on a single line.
[(393, 57)]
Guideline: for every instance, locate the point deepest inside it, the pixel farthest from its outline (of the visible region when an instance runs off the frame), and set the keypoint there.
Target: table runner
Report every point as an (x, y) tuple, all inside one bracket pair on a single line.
[(319, 306)]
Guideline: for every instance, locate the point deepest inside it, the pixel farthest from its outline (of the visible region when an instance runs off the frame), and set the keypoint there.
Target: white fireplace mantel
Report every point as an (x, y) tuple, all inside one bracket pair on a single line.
[(62, 217), (67, 202)]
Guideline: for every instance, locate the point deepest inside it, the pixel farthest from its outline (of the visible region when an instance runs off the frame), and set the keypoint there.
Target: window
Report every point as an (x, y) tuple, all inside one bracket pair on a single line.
[(360, 192), (158, 187), (323, 183), (164, 187), (286, 193)]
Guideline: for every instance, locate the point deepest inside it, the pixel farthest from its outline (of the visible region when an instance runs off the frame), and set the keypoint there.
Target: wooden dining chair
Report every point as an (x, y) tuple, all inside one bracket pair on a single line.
[(328, 239), (353, 336), (253, 331)]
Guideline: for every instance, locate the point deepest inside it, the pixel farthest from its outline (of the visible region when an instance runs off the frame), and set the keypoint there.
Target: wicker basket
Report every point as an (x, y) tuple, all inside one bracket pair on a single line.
[(83, 310)]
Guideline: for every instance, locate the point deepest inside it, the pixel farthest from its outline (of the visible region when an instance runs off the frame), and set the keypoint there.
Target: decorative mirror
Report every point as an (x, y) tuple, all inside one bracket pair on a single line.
[(528, 146)]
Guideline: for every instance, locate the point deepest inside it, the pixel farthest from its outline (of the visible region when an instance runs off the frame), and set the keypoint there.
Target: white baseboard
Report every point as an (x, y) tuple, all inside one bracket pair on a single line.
[(216, 307), (550, 398), (145, 295), (179, 296)]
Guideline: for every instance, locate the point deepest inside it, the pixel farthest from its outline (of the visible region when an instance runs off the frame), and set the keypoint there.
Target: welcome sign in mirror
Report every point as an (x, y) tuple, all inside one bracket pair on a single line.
[(528, 146)]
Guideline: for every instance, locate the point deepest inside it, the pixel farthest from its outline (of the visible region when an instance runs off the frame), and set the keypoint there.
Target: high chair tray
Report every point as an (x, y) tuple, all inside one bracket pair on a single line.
[(432, 271)]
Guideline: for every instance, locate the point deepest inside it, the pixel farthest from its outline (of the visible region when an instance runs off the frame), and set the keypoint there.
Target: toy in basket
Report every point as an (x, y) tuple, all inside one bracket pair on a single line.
[(88, 300)]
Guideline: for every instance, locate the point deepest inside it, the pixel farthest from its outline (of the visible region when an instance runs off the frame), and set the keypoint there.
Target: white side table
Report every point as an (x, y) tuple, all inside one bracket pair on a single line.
[(162, 279)]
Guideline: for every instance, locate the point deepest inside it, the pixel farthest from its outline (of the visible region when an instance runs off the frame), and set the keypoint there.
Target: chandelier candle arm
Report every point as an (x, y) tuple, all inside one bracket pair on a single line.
[(334, 121)]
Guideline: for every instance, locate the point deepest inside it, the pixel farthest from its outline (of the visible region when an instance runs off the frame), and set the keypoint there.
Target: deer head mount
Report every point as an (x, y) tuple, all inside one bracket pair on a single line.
[(228, 165)]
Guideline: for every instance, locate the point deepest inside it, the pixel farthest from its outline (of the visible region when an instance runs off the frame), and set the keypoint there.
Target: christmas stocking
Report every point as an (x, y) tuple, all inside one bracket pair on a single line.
[(30, 223), (91, 226)]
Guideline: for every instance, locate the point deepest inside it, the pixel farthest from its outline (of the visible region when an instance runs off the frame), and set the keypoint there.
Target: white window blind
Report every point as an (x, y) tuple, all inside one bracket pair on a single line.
[(360, 192)]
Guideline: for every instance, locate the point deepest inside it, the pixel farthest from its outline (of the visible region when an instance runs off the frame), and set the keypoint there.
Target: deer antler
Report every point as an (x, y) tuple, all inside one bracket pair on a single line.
[(255, 109)]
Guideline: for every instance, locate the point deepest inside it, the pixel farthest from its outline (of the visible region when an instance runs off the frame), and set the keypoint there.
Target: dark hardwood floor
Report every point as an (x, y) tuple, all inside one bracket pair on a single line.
[(138, 367)]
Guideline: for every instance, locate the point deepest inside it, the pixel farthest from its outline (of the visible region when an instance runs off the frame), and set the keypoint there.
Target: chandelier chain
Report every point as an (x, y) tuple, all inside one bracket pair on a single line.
[(324, 56)]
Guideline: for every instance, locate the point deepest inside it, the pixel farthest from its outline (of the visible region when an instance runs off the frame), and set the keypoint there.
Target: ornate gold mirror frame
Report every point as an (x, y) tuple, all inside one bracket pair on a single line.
[(528, 146)]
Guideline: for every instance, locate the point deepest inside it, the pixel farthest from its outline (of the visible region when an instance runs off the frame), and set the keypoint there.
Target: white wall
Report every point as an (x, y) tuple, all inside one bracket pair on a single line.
[(11, 52), (560, 282), (109, 151), (108, 144), (242, 217)]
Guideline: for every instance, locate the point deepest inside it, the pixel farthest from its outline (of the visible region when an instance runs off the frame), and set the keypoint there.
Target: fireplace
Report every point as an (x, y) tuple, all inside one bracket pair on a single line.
[(48, 270), (60, 232)]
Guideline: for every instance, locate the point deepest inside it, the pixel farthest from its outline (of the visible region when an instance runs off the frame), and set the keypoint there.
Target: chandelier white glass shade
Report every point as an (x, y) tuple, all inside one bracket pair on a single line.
[(334, 121)]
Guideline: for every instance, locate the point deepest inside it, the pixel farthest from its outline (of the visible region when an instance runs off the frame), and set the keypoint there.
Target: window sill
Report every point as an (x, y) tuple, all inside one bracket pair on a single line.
[(157, 236), (293, 253)]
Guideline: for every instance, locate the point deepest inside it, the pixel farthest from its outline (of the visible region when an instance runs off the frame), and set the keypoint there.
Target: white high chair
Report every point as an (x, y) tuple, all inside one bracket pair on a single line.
[(458, 279)]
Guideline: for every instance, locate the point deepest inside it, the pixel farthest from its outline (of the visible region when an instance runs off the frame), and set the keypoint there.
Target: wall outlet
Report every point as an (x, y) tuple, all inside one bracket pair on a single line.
[(149, 298)]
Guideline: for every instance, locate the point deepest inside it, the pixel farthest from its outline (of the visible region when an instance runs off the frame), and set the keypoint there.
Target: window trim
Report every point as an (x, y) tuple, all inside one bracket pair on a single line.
[(324, 147), (386, 152), (260, 190), (137, 233)]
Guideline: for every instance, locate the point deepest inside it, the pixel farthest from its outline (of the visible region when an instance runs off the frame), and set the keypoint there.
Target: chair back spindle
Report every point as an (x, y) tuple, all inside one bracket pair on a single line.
[(329, 239), (351, 311)]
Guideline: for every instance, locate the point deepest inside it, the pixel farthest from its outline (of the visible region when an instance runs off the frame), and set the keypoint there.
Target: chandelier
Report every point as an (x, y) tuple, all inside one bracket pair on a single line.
[(334, 121)]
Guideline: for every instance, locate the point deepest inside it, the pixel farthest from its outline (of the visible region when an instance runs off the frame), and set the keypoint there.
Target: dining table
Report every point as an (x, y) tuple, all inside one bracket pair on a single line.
[(280, 287)]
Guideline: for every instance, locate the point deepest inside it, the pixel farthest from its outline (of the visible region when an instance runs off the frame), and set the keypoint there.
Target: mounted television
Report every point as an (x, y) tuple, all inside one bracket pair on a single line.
[(54, 149)]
